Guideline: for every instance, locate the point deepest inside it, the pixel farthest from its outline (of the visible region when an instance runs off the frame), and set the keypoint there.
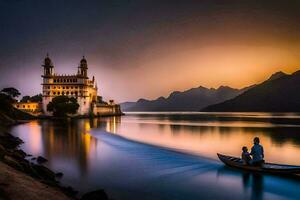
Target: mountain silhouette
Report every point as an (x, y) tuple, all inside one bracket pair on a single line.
[(190, 100), (280, 93)]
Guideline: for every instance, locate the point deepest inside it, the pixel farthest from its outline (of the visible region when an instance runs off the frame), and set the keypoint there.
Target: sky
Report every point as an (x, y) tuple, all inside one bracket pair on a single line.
[(147, 49)]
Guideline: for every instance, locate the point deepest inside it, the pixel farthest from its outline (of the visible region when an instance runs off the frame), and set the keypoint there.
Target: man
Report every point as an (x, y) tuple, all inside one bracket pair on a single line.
[(257, 152)]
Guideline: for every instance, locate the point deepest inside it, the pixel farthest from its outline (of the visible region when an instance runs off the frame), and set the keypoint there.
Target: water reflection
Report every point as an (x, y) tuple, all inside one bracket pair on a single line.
[(90, 157), (253, 183), (72, 138), (208, 134)]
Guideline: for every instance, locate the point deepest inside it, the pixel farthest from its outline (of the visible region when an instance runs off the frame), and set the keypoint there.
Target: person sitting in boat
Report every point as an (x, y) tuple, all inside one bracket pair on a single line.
[(246, 156), (257, 153)]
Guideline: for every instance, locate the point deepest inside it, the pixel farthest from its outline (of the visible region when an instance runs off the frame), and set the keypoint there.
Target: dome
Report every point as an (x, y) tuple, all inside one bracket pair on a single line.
[(47, 61), (83, 60)]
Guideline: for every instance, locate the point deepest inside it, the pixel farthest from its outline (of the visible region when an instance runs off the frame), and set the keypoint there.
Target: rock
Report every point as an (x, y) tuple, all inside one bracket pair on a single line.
[(2, 152), (19, 154), (10, 142), (59, 175), (34, 158), (44, 172), (13, 163), (95, 195), (69, 191), (41, 159)]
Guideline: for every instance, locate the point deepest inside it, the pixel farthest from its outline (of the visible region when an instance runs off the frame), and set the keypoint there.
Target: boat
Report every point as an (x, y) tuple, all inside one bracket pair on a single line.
[(272, 168)]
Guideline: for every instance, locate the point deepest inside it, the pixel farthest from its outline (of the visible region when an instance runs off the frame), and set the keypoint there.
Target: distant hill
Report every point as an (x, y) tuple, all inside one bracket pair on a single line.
[(190, 100), (280, 93)]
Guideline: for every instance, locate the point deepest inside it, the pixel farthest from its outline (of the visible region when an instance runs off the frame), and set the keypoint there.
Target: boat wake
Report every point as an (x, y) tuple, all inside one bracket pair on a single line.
[(160, 173)]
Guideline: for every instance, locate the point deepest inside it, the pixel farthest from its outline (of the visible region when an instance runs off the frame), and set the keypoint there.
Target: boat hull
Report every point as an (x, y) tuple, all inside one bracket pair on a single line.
[(237, 163)]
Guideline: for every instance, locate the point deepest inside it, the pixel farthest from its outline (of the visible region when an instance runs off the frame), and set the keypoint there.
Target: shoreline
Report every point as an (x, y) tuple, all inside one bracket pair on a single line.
[(32, 180)]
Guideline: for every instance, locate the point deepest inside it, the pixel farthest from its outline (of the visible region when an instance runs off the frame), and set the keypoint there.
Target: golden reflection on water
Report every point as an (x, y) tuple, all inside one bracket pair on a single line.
[(213, 137), (74, 141), (35, 136)]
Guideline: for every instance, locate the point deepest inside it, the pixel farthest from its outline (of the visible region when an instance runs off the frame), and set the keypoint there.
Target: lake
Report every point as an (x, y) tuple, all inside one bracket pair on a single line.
[(167, 155)]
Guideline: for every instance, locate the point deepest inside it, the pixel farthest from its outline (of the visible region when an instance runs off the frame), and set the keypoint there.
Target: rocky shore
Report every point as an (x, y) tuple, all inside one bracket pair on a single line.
[(21, 178)]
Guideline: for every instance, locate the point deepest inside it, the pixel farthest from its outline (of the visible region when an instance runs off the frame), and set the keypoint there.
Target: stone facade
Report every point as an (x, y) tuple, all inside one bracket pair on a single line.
[(78, 85), (30, 107)]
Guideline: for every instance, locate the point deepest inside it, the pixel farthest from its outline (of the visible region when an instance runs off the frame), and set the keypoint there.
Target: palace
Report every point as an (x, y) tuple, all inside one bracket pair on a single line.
[(77, 85)]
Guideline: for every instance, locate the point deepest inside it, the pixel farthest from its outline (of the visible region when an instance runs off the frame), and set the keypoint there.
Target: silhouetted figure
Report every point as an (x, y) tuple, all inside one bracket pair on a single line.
[(246, 156), (257, 152)]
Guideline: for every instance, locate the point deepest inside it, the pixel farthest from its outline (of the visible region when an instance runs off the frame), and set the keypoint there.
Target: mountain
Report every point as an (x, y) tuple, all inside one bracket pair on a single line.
[(190, 100), (277, 75), (280, 93)]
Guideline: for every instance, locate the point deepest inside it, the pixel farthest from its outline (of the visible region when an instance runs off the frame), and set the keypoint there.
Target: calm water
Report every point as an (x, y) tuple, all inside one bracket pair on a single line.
[(133, 157)]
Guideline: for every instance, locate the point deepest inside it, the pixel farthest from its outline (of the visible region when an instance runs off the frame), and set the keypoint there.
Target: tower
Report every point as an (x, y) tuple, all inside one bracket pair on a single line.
[(48, 67), (47, 76), (83, 67)]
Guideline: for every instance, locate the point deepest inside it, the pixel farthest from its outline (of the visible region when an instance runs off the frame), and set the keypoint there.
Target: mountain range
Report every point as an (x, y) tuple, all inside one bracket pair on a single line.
[(280, 93), (190, 100)]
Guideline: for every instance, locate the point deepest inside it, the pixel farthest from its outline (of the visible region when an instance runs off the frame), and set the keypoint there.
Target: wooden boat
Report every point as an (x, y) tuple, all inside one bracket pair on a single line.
[(265, 168)]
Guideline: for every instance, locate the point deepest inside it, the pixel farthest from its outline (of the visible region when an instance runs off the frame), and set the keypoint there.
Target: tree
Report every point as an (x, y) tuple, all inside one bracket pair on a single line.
[(36, 98), (6, 103), (100, 100), (10, 91), (61, 106), (25, 99)]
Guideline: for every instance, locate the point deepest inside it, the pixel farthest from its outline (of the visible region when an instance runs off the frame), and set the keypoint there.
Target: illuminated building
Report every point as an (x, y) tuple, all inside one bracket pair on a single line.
[(78, 86), (31, 107)]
